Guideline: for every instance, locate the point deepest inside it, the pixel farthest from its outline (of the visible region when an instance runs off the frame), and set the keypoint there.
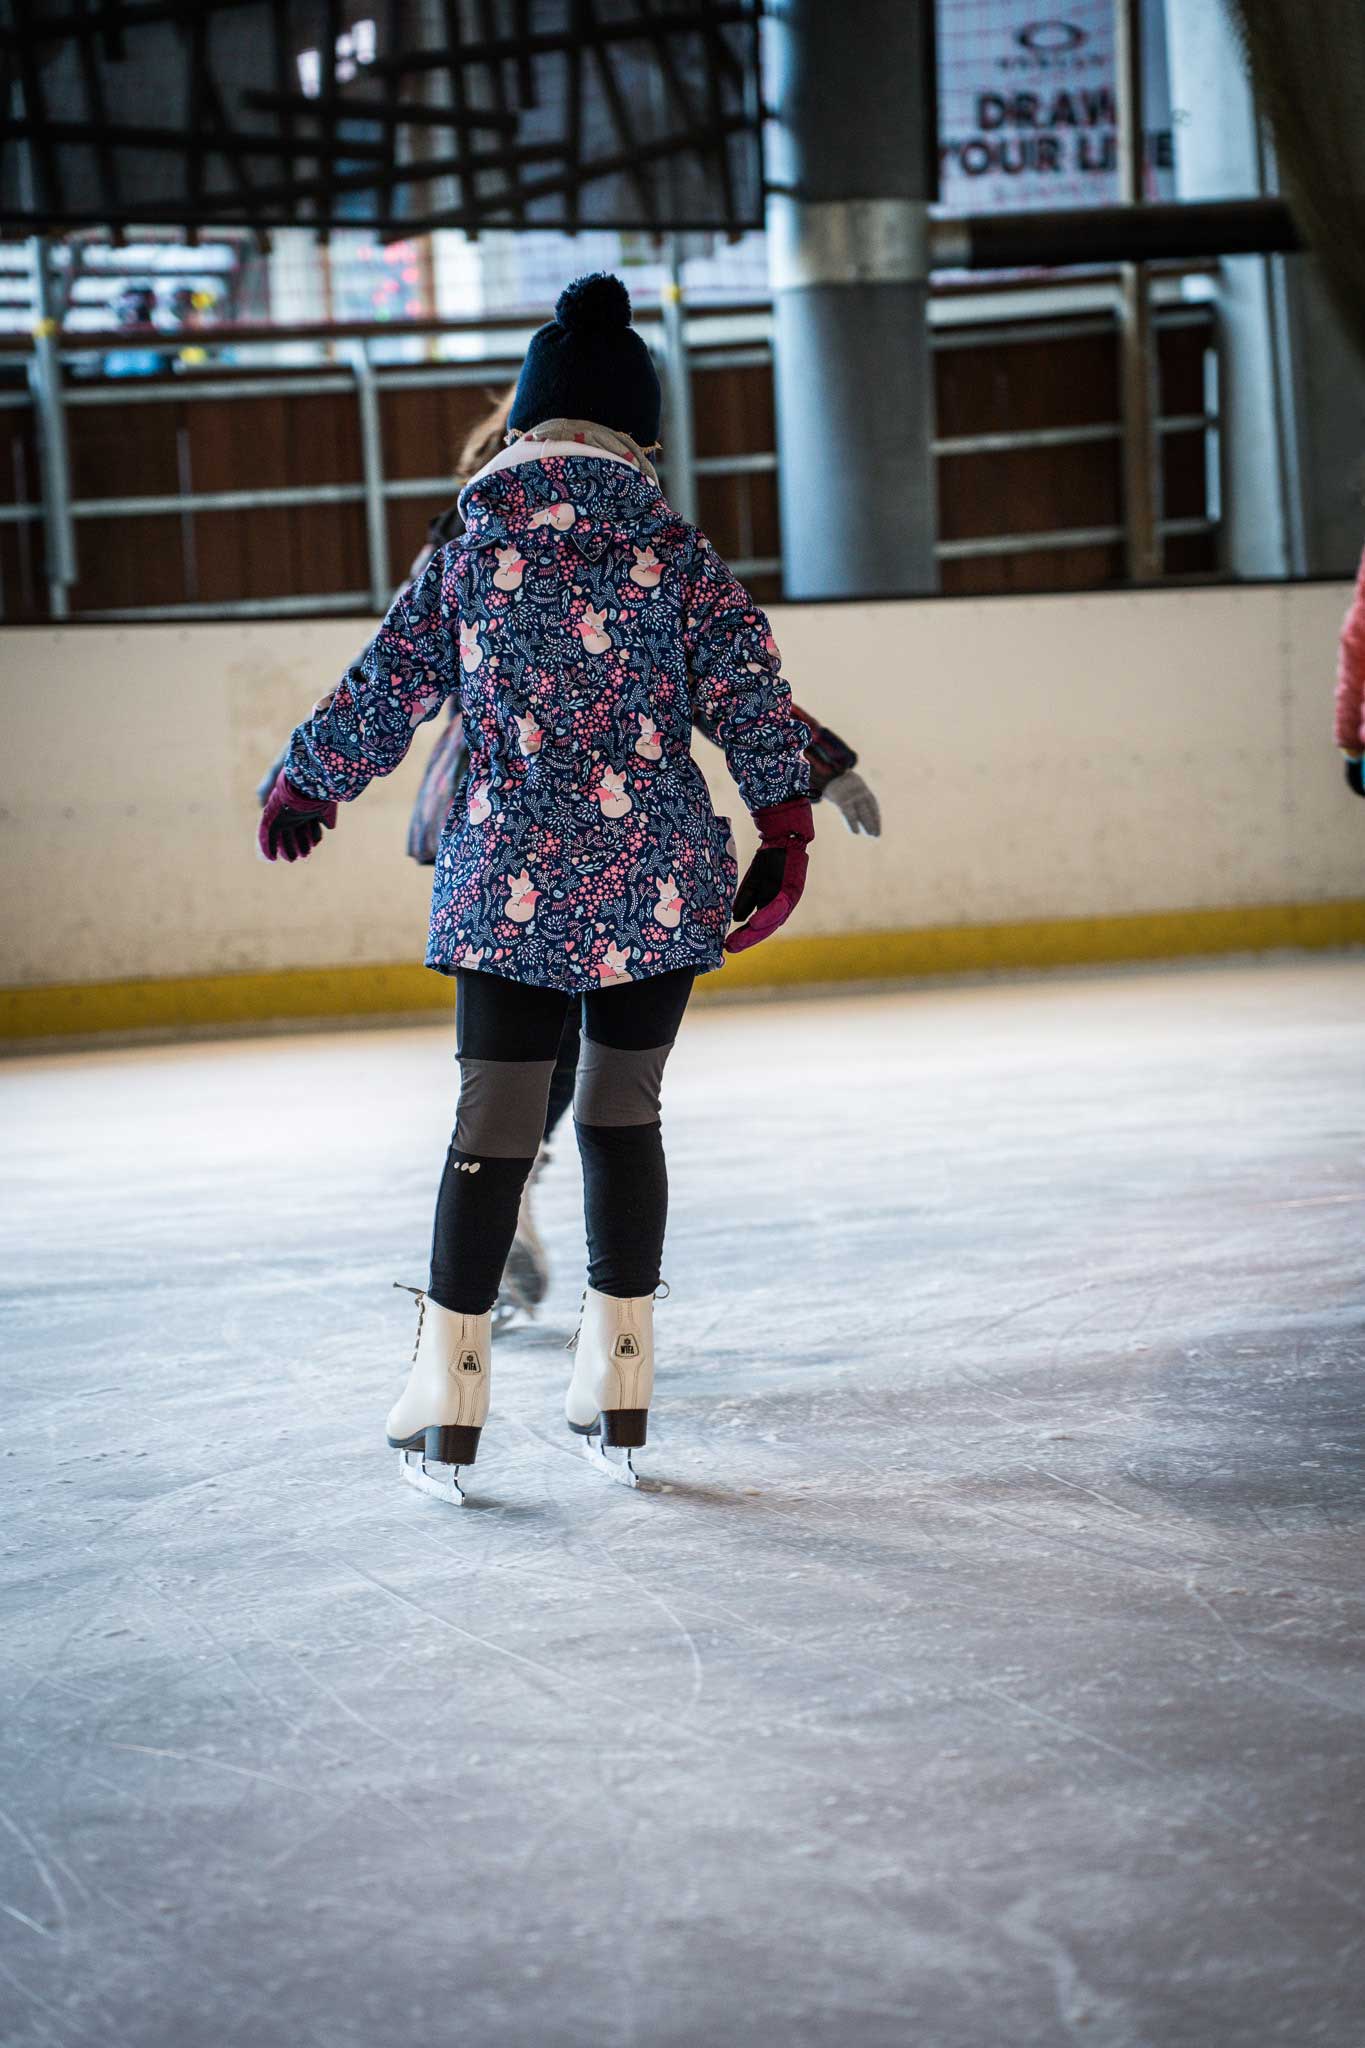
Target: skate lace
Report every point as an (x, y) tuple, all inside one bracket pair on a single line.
[(420, 1292)]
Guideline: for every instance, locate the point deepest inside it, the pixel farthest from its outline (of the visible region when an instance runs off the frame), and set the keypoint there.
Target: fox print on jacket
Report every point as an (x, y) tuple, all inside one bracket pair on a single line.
[(581, 627)]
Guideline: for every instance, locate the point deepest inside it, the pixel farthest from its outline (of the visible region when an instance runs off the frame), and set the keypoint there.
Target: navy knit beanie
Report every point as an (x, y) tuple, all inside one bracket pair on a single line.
[(590, 364)]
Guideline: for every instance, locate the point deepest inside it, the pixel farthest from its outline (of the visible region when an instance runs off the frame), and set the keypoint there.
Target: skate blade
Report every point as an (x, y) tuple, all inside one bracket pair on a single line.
[(615, 1464), (441, 1482)]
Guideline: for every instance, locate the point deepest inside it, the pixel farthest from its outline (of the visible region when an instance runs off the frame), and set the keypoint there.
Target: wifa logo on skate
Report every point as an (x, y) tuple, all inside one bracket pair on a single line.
[(469, 1361), (626, 1347)]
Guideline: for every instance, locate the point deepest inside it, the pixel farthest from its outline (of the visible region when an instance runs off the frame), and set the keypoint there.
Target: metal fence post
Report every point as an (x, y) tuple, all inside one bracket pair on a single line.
[(1137, 334), (680, 450), (45, 382), (372, 464)]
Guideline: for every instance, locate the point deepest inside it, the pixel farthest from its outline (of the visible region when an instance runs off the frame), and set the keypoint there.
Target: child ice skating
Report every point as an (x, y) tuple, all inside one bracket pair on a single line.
[(549, 883), (834, 777)]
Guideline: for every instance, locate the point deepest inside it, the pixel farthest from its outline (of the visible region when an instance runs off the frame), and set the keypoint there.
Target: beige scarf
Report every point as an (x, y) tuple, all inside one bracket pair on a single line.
[(609, 439)]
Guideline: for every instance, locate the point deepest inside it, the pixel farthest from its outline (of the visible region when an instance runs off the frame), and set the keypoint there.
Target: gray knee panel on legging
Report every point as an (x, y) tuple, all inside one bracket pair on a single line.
[(501, 1114), (616, 1088)]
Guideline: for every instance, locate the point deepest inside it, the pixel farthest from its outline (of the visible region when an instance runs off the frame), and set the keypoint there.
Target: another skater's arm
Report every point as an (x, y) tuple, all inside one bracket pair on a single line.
[(1350, 701), (364, 727), (447, 766), (834, 776)]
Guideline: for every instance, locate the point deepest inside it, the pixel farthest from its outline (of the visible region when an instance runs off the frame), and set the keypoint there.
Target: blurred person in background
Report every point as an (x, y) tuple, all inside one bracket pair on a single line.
[(135, 309)]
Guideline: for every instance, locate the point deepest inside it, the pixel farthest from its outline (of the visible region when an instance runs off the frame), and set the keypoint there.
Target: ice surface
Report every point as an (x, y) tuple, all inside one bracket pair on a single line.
[(990, 1672)]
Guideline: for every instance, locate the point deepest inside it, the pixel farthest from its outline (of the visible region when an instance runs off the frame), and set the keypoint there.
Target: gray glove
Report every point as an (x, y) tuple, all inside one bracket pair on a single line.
[(855, 803)]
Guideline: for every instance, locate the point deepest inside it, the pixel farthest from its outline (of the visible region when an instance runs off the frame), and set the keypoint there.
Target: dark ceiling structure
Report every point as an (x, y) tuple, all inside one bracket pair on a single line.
[(395, 115)]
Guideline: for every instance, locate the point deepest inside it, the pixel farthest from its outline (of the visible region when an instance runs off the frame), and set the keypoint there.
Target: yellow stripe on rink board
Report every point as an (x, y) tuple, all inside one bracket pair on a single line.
[(193, 1002), (1050, 942)]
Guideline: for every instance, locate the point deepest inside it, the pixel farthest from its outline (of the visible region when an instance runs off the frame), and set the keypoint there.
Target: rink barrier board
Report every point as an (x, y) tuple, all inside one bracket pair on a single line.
[(1093, 756), (196, 1002)]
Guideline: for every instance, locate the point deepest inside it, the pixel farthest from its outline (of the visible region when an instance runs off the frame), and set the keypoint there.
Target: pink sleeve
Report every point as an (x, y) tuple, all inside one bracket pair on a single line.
[(1350, 725)]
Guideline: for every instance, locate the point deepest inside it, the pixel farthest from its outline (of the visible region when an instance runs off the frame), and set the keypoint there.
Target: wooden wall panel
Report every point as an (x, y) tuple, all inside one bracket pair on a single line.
[(1089, 568), (425, 429), (323, 444), (1017, 491), (1180, 367), (733, 409), (129, 562), (1005, 387), (23, 563), (305, 550), (124, 451), (1181, 353), (23, 573), (733, 414), (408, 520)]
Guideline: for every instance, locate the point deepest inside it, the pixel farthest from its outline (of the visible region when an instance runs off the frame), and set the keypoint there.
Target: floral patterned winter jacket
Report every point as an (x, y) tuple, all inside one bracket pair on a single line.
[(581, 626)]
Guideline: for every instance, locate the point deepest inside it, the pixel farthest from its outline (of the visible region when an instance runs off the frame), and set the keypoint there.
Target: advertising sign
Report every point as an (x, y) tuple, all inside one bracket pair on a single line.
[(1027, 112)]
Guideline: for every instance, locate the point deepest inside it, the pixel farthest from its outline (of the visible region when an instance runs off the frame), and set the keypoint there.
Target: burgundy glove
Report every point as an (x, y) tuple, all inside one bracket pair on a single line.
[(776, 875), (291, 825)]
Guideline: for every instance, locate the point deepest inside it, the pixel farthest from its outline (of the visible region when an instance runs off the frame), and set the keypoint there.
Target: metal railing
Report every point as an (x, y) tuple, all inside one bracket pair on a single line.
[(375, 490)]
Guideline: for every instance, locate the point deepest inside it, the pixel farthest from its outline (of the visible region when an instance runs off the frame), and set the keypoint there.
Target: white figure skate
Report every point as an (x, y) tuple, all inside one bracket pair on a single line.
[(435, 1422), (613, 1378), (526, 1276)]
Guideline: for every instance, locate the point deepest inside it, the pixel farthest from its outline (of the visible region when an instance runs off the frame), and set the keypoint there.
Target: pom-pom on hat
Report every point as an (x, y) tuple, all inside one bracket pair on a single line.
[(590, 364)]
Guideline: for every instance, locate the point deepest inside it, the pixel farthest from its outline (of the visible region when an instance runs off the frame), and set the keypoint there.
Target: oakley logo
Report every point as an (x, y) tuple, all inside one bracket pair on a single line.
[(1049, 38)]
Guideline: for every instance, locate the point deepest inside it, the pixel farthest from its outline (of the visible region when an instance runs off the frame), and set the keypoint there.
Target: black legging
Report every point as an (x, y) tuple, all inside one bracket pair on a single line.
[(509, 1040)]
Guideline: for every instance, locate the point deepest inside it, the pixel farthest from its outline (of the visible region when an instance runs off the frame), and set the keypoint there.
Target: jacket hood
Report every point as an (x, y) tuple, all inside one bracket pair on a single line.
[(605, 496)]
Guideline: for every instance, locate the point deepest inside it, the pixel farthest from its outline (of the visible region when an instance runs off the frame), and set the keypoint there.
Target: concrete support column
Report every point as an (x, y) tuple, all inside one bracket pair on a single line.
[(851, 161)]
